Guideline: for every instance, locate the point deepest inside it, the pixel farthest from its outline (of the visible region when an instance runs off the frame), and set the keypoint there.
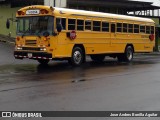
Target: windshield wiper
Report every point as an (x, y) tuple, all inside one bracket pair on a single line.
[(25, 32), (38, 34)]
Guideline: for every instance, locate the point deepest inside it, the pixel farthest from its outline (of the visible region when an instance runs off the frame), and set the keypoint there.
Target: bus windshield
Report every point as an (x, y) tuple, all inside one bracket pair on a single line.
[(35, 25)]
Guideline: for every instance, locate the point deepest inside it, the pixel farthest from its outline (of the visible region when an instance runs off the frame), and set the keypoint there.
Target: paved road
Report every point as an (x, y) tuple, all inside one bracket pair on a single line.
[(110, 86)]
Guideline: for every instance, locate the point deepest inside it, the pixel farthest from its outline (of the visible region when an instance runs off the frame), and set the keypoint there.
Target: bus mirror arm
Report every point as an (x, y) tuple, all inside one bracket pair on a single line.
[(59, 27), (8, 22)]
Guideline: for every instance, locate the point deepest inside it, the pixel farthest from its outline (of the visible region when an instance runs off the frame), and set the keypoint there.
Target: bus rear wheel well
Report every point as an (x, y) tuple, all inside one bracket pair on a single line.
[(131, 46), (81, 46)]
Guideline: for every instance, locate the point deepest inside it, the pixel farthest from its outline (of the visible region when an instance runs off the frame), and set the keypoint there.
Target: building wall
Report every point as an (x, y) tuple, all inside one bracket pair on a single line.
[(7, 12), (156, 20)]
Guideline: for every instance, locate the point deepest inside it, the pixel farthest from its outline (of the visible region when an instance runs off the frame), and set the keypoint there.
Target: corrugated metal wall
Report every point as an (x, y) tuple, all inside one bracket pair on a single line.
[(56, 3)]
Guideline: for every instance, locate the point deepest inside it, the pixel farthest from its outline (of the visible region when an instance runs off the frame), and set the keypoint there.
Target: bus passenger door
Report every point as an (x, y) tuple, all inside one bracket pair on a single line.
[(113, 36), (61, 50)]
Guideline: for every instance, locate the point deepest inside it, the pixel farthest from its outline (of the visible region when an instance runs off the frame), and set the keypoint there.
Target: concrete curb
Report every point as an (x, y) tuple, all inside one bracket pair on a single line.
[(4, 41), (7, 39), (145, 54)]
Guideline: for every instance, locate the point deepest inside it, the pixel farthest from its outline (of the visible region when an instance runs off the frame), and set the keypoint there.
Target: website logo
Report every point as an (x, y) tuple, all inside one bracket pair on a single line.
[(6, 114)]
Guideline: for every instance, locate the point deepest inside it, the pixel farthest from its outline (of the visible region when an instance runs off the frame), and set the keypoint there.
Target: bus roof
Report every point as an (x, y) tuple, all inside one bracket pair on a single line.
[(75, 12), (101, 14)]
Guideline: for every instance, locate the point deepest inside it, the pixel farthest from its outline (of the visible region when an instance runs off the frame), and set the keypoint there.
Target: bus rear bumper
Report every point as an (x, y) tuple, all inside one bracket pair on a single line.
[(32, 55)]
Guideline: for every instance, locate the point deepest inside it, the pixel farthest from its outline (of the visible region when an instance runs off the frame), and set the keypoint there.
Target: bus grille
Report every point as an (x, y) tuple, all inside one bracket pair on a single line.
[(29, 48), (31, 42)]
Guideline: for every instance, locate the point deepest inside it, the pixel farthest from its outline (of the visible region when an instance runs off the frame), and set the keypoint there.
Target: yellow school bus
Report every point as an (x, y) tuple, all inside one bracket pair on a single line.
[(47, 33)]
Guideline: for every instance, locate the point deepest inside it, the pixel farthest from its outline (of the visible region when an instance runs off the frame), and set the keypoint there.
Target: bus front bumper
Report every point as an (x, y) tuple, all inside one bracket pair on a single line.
[(32, 55)]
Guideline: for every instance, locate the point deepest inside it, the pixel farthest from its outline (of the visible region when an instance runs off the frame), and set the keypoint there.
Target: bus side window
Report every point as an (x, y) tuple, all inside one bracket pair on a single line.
[(125, 27), (152, 30), (136, 28), (63, 22), (130, 28), (105, 26), (119, 27), (87, 25), (96, 26), (148, 29), (80, 25), (71, 24), (142, 29), (113, 27)]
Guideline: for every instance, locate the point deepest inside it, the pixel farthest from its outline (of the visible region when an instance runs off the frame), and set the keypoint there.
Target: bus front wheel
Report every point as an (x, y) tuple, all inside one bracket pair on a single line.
[(77, 57), (43, 62)]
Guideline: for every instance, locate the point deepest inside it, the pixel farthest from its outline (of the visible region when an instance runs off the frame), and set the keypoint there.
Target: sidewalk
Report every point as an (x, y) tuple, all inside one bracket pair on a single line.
[(4, 38), (152, 53)]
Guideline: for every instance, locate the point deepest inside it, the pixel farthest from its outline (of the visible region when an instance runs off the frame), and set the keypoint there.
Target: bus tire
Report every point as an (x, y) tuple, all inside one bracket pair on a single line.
[(128, 55), (77, 57), (97, 58), (43, 62)]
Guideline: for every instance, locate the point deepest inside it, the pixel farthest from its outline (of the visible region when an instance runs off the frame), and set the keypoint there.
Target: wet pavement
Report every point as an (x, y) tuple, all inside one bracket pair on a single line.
[(110, 86)]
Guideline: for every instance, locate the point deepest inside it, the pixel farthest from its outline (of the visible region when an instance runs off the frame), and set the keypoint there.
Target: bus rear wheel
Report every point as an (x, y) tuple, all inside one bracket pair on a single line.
[(43, 62), (127, 56), (77, 57), (97, 58)]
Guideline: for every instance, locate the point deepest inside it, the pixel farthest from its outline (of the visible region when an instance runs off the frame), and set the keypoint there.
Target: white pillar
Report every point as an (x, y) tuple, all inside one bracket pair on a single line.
[(58, 3)]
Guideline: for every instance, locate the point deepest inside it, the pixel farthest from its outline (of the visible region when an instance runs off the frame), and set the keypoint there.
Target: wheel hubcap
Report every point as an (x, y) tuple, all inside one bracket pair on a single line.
[(77, 57), (129, 55)]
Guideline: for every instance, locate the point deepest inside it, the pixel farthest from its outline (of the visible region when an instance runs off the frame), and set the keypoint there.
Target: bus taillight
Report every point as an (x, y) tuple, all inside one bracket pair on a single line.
[(43, 11), (151, 37)]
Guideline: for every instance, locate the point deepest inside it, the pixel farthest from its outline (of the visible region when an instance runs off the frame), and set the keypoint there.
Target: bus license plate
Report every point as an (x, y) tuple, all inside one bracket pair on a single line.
[(30, 55)]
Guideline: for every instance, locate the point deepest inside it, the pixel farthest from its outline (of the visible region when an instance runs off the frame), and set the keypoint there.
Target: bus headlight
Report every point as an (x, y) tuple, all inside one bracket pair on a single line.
[(43, 49), (18, 48)]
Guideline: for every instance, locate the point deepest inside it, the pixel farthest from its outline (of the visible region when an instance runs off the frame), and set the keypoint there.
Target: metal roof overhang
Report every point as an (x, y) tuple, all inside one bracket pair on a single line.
[(122, 4)]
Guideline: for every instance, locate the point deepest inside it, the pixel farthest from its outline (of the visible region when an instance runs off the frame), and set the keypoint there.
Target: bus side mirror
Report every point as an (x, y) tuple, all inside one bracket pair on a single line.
[(59, 27), (7, 24)]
